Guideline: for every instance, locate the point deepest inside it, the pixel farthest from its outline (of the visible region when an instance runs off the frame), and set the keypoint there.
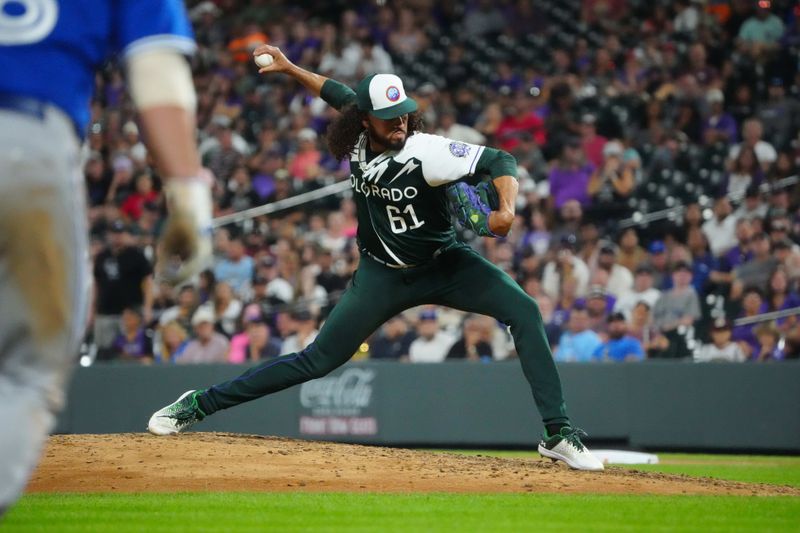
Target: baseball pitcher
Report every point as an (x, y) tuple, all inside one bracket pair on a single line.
[(406, 184), (49, 51)]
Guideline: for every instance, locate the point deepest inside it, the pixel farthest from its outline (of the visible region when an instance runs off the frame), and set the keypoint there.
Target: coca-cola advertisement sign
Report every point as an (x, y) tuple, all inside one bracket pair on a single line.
[(336, 404)]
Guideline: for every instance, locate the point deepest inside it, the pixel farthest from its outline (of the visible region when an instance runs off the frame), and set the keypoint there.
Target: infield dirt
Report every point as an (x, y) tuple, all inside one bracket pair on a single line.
[(219, 462)]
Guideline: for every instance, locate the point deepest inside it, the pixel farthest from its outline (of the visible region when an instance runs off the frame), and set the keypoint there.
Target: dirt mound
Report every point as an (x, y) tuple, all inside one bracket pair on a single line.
[(230, 462)]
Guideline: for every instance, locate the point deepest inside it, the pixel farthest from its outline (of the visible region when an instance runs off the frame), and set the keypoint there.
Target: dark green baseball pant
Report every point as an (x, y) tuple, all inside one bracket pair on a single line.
[(459, 278)]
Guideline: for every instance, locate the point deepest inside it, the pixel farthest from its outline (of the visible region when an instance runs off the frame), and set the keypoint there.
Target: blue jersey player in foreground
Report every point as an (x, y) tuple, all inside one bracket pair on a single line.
[(49, 51)]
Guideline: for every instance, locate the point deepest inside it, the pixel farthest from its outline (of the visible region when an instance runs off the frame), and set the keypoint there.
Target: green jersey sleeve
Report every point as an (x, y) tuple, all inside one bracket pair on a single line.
[(496, 163), (337, 95)]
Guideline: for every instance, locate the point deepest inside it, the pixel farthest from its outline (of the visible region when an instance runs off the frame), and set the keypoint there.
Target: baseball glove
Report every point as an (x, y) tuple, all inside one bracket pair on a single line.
[(472, 205)]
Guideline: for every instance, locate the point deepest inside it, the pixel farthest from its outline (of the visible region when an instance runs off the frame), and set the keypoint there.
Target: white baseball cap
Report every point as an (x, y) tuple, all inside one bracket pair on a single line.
[(383, 96)]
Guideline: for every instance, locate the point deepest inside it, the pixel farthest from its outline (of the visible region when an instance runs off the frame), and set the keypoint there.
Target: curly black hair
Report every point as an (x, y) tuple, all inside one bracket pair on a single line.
[(342, 134)]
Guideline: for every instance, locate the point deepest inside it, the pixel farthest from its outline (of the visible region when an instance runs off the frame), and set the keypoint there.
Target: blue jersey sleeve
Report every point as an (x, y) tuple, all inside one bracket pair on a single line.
[(150, 24)]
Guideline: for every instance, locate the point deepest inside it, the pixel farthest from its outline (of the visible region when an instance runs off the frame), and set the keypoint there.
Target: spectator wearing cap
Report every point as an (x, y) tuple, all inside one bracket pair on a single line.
[(752, 305), (629, 253), (123, 278), (569, 176), (721, 347), (133, 342), (305, 331), (720, 229), (788, 257), (599, 304), (658, 264), (431, 344), (620, 279), (779, 227), (578, 343), (679, 306), (642, 291), (752, 133), (719, 126), (566, 264), (752, 207), (613, 182), (393, 341), (757, 271), (237, 268), (760, 34), (208, 346), (261, 344), (304, 165), (620, 347)]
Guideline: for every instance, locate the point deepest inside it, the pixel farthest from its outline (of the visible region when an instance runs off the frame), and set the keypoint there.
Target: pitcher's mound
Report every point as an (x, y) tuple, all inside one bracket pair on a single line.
[(136, 462)]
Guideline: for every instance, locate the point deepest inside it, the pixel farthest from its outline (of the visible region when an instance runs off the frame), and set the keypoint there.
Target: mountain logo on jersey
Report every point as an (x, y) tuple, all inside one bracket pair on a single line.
[(459, 149), (410, 166), (393, 93)]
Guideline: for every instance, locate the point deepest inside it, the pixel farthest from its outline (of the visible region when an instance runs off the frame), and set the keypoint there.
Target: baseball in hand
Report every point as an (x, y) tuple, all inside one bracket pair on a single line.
[(264, 60)]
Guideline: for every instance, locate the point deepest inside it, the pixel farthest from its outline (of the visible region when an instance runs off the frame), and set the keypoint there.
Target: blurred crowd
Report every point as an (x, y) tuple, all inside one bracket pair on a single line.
[(616, 110)]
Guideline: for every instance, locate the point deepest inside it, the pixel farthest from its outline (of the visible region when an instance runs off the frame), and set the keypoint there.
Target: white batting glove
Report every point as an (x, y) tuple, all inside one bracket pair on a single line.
[(185, 247)]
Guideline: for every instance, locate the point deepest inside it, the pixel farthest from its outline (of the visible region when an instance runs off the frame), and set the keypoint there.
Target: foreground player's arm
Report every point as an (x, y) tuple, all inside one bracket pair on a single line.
[(502, 168), (163, 92)]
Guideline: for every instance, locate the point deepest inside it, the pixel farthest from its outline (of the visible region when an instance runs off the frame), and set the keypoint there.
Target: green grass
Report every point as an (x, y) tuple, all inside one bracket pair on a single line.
[(380, 512), (435, 512), (777, 470)]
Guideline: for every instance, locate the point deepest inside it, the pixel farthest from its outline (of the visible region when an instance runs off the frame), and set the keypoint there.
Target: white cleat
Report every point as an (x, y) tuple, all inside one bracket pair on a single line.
[(567, 446), (177, 416)]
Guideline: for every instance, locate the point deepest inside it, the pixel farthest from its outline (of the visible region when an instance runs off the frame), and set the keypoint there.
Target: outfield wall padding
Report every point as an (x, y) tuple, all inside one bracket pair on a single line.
[(652, 405)]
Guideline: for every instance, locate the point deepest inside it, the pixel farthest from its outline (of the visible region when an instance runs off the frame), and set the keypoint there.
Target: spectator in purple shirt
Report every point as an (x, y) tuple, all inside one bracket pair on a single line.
[(752, 305), (768, 343), (719, 126), (781, 297), (569, 177), (132, 343)]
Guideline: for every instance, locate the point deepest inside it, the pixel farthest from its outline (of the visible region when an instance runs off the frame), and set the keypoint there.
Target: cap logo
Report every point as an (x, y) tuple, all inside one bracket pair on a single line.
[(393, 93)]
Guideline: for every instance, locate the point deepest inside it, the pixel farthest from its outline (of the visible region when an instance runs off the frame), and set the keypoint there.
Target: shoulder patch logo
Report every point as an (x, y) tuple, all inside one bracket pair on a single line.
[(393, 93), (459, 149)]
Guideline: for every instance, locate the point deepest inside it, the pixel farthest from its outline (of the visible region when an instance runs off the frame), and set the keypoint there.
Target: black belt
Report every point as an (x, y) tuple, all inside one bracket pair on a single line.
[(436, 254), (31, 107)]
